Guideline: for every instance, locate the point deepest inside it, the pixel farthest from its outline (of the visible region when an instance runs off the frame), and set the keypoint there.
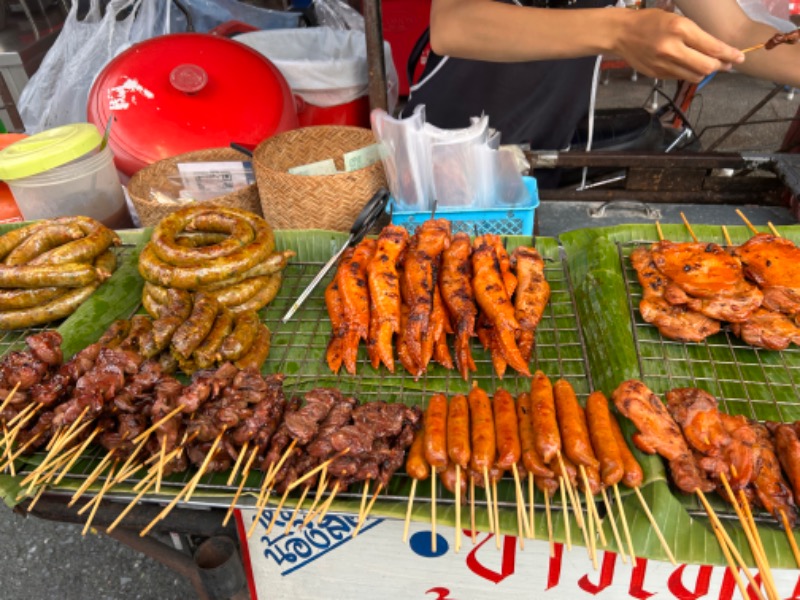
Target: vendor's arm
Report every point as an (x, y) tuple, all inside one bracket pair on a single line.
[(726, 20), (654, 42)]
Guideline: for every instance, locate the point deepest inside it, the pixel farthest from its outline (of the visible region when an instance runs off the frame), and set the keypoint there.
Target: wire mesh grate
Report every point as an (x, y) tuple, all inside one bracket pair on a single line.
[(298, 351), (760, 384)]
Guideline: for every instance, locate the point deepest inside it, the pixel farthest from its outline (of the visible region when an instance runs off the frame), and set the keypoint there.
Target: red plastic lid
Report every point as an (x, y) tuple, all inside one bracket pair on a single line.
[(188, 91)]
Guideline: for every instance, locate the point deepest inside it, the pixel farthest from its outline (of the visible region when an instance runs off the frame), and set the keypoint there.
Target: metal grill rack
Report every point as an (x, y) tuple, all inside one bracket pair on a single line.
[(298, 351), (761, 384)]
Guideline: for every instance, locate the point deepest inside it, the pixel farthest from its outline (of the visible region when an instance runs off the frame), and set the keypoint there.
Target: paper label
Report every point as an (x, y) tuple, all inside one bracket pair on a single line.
[(206, 180), (322, 167), (361, 158)]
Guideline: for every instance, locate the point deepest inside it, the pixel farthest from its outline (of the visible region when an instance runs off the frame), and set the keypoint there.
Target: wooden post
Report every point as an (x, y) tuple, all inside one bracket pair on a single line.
[(373, 29)]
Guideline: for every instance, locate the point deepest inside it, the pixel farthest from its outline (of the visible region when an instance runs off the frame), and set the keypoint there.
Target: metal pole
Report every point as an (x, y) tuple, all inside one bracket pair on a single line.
[(373, 29)]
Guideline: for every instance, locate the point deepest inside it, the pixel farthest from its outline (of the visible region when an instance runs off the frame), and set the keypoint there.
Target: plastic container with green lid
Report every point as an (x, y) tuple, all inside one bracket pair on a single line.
[(63, 171)]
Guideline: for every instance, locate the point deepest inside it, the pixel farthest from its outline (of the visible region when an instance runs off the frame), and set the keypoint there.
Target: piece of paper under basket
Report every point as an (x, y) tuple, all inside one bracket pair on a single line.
[(460, 174)]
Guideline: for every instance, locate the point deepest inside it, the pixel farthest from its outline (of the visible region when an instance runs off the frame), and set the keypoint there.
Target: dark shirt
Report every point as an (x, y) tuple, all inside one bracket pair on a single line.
[(537, 102)]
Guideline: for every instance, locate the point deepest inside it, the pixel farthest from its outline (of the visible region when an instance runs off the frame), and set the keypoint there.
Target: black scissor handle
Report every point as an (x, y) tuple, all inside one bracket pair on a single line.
[(369, 215)]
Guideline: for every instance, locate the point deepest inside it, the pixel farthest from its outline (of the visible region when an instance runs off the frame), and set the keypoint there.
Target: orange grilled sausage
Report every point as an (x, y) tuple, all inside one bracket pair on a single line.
[(436, 432), (634, 475), (530, 457), (482, 433), (458, 446), (598, 419), (572, 424), (506, 429), (546, 437), (416, 466)]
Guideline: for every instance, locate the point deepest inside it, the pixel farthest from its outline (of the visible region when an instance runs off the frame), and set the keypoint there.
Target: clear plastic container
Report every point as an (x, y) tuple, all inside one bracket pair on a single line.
[(88, 186), (64, 172)]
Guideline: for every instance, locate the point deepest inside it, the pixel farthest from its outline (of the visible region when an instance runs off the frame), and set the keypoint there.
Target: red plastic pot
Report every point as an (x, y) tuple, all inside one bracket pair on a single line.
[(188, 91)]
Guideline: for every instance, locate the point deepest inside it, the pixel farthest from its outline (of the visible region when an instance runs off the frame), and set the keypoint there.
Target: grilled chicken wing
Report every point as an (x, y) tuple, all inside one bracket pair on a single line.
[(768, 329), (333, 301), (674, 322), (455, 284), (772, 491), (787, 446), (533, 293), (774, 264), (352, 281), (384, 292), (420, 273), (697, 414), (492, 297), (659, 433), (711, 278)]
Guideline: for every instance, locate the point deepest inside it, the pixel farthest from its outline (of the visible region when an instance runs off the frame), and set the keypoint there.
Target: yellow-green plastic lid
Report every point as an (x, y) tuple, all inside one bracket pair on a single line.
[(47, 150)]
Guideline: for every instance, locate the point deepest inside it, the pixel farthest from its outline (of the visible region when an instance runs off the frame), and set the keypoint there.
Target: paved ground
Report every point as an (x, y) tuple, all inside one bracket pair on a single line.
[(44, 560)]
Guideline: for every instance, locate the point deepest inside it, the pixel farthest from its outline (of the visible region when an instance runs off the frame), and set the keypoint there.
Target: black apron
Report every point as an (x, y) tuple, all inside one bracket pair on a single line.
[(538, 103)]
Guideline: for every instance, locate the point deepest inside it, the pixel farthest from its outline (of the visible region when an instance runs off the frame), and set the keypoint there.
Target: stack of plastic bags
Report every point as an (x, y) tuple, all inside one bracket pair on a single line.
[(463, 168)]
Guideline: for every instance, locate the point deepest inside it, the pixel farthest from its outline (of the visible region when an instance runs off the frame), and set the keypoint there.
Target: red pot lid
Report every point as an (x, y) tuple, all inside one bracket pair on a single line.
[(188, 91)]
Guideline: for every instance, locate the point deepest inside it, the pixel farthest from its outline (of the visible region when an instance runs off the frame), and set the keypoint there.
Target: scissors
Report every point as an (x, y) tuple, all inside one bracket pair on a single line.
[(363, 223)]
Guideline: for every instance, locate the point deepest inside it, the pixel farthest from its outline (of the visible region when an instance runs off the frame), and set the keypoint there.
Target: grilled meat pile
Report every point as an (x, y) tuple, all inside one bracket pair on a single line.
[(416, 290), (704, 446), (125, 395), (691, 289)]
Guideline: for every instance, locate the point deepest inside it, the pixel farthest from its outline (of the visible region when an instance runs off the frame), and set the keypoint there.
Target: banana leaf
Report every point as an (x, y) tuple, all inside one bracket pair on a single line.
[(591, 335)]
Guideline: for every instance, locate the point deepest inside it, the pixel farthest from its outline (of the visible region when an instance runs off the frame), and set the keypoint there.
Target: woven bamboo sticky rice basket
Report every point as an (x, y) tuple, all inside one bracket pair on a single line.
[(314, 201), (163, 177)]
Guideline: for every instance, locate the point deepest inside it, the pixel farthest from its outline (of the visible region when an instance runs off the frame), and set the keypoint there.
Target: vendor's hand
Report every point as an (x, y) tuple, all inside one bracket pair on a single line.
[(668, 46)]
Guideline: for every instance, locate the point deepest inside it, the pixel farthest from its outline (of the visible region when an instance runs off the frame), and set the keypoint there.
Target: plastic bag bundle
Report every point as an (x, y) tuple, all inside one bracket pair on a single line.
[(459, 168), (58, 92)]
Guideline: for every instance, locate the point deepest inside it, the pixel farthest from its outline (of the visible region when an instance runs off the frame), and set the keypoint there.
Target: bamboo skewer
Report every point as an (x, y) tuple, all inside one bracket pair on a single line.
[(745, 504), (589, 531), (591, 507), (625, 527), (408, 510), (196, 479), (531, 514), (317, 469), (457, 546), (790, 538), (773, 230), (729, 559), (78, 453), (132, 503), (496, 510), (369, 506), (327, 504), (277, 512), (92, 477), (727, 540), (521, 500), (323, 484), (473, 533), (689, 228), (565, 512), (162, 457), (245, 473), (9, 397), (571, 492), (36, 498), (433, 510), (655, 526), (747, 222), (146, 433), (363, 506), (614, 529), (296, 509), (761, 559), (7, 450), (239, 459), (266, 487), (549, 518), (100, 494), (20, 451), (488, 491)]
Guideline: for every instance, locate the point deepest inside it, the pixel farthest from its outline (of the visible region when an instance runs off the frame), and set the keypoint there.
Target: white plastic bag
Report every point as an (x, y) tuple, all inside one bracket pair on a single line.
[(58, 92), (324, 66)]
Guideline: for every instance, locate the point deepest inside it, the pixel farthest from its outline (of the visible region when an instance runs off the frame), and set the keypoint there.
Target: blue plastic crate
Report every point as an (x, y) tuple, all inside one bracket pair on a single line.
[(510, 220)]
